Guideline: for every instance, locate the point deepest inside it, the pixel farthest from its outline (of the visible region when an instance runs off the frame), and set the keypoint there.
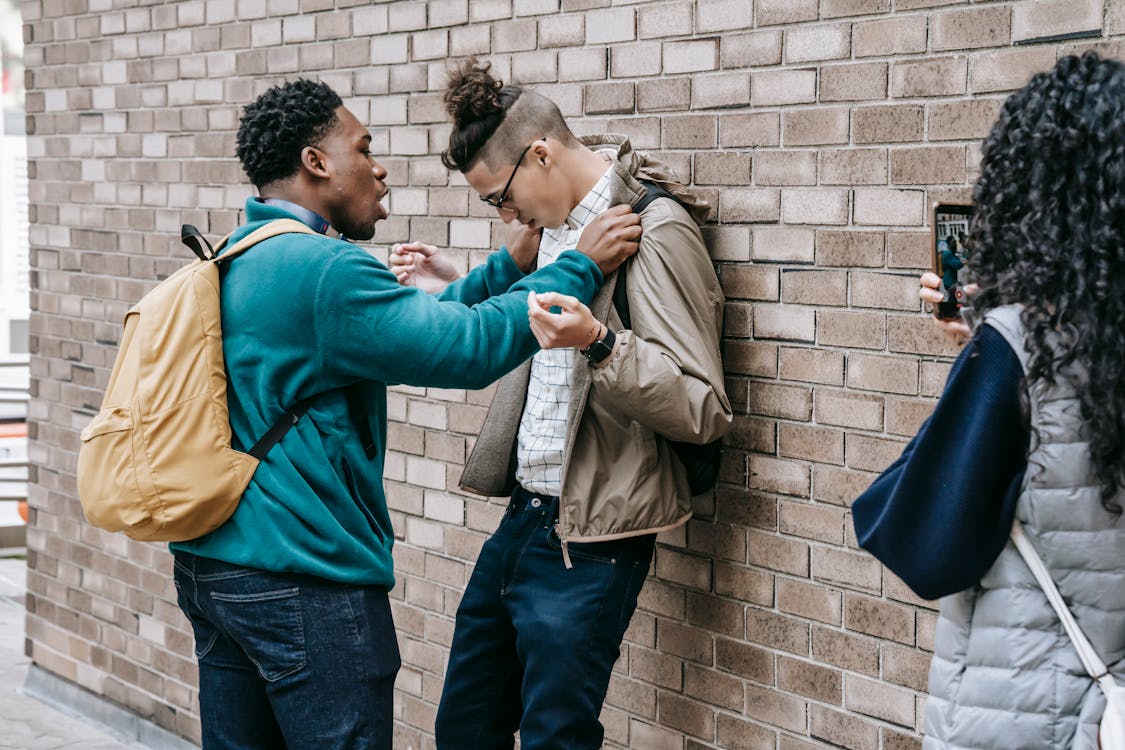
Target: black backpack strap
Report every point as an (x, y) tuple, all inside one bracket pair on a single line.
[(620, 295), (290, 418), (284, 423)]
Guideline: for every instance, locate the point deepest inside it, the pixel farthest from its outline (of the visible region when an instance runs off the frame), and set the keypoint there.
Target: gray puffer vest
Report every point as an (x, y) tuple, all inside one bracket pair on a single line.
[(1004, 673)]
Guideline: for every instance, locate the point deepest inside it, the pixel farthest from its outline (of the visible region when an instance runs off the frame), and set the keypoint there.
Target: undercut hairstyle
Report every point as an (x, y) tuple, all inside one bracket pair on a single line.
[(493, 122), (1048, 234), (279, 124)]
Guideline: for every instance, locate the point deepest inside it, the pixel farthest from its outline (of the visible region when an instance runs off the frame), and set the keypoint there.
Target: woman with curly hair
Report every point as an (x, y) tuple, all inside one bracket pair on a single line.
[(1030, 427)]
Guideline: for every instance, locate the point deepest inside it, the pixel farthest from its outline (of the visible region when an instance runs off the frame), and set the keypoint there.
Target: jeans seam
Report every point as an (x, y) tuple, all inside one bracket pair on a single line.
[(208, 577), (262, 596)]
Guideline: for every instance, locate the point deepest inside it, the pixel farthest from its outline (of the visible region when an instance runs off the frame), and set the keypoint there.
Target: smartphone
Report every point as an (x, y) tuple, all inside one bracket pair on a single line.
[(949, 229)]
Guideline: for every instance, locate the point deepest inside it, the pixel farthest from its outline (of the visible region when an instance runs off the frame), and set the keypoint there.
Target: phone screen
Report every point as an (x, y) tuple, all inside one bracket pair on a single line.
[(949, 231)]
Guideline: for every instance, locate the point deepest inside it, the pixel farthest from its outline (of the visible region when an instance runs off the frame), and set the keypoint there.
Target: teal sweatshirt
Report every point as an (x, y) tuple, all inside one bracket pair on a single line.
[(304, 317)]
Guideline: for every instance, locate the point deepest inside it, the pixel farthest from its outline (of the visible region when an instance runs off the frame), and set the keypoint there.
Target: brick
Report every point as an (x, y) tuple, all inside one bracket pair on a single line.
[(846, 650), (603, 98), (811, 521), (969, 28), (853, 82), (890, 374), (928, 166), (889, 207), (919, 335), (844, 409), (905, 666), (941, 76), (892, 36), (785, 168), (814, 287), (822, 42), (722, 168), (744, 584), (849, 248), (1006, 70), (887, 291), (1045, 18), (737, 734), (905, 417), (755, 49), (851, 329), (971, 120), (851, 166), (753, 205), (581, 64), (881, 619), (887, 124), (782, 477), (774, 87), (726, 90), (721, 15), (750, 282), (635, 60), (689, 131), (871, 453), (789, 323), (690, 57), (839, 728), (608, 26), (665, 19), (810, 680), (745, 660), (663, 94), (816, 126), (751, 130), (769, 12), (775, 708), (909, 250)]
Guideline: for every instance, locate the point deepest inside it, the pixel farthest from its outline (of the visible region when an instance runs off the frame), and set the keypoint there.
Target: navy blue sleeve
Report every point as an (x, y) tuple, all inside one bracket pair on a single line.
[(939, 516)]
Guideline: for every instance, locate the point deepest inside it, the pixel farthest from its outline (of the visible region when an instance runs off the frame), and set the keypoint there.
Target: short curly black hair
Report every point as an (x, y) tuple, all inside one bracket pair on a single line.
[(1048, 235), (279, 124)]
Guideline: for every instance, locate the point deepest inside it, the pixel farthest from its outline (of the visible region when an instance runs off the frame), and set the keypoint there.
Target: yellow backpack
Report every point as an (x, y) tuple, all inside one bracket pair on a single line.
[(156, 462)]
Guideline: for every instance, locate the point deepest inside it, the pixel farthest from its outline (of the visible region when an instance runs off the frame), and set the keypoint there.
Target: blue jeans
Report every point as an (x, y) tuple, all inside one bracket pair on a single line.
[(535, 643), (286, 660)]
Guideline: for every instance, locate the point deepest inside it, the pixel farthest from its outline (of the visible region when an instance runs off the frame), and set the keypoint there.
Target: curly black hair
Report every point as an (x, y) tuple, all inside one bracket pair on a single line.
[(477, 103), (1049, 233), (279, 124)]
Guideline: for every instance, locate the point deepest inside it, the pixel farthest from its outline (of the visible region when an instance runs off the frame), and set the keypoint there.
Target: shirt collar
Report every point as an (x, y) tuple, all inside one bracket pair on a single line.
[(306, 216)]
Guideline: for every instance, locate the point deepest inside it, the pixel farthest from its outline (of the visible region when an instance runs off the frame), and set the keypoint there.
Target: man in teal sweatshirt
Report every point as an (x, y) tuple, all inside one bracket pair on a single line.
[(288, 598)]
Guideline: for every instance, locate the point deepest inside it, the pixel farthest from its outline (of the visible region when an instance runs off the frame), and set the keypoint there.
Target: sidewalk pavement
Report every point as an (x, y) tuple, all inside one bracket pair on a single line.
[(26, 723)]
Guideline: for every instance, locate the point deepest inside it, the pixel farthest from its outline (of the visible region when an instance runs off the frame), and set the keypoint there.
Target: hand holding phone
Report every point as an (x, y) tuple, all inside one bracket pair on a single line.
[(949, 229)]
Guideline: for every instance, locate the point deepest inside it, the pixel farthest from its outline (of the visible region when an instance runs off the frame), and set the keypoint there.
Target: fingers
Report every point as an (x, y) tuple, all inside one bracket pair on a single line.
[(547, 300), (929, 289), (415, 247)]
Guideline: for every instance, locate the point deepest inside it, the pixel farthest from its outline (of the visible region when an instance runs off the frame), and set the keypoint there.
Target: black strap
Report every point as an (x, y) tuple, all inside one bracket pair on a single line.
[(284, 423), (620, 293)]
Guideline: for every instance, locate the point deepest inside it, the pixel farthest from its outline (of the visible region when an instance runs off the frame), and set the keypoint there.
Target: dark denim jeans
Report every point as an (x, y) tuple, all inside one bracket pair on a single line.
[(288, 661), (535, 643)]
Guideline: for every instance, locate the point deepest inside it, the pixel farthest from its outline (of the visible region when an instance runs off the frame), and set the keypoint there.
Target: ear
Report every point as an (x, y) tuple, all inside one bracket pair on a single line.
[(315, 162), (541, 153)]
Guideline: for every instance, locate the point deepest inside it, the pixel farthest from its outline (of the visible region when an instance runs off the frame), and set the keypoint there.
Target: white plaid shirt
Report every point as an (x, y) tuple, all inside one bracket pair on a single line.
[(542, 435)]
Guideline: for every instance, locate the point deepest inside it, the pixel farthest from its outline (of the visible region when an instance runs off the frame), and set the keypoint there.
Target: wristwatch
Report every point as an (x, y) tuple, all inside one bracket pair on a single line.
[(596, 352)]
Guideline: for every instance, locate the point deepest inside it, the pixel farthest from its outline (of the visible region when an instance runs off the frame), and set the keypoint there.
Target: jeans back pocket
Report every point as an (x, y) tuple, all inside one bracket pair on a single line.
[(266, 624)]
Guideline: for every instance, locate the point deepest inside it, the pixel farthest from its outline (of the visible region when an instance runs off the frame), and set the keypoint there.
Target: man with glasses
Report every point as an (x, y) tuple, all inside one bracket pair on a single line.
[(578, 436)]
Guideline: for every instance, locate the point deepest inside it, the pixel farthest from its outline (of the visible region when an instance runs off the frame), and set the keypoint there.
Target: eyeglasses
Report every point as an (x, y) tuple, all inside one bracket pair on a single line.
[(498, 202)]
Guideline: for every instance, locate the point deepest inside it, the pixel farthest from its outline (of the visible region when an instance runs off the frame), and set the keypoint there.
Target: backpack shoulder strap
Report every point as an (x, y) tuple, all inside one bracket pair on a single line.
[(620, 290), (272, 229)]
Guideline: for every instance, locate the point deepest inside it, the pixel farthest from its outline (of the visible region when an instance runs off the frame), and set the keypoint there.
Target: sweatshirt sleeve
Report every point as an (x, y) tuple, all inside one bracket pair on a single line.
[(495, 276), (939, 516), (370, 327)]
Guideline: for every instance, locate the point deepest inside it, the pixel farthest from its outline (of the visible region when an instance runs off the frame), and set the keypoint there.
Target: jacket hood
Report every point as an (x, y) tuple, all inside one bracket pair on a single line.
[(630, 165)]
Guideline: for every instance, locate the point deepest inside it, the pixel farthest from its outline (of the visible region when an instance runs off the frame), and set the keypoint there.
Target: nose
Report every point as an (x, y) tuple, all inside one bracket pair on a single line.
[(507, 215), (378, 170)]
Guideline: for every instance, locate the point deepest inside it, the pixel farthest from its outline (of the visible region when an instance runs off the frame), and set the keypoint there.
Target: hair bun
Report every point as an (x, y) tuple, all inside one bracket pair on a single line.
[(473, 93)]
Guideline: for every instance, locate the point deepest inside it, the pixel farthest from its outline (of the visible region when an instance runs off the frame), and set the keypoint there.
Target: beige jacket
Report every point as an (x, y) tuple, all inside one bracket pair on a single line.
[(663, 380)]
